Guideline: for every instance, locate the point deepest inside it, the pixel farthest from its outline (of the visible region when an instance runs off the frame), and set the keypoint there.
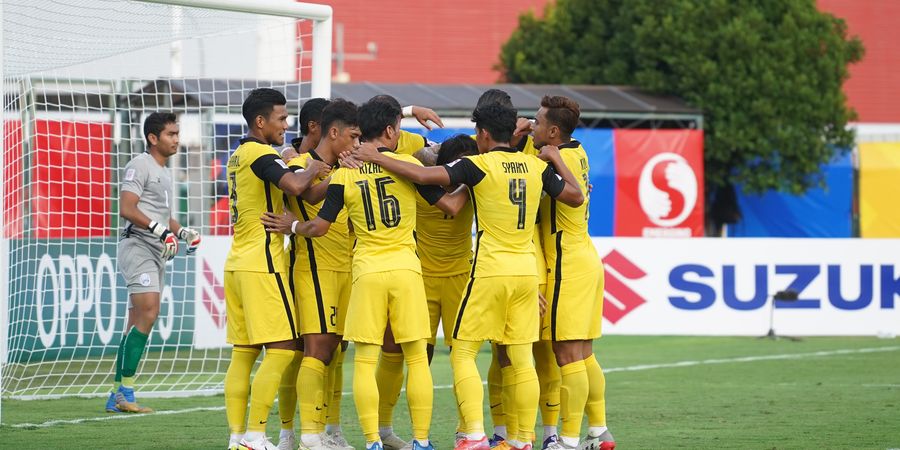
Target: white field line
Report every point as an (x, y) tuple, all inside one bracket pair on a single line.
[(641, 367)]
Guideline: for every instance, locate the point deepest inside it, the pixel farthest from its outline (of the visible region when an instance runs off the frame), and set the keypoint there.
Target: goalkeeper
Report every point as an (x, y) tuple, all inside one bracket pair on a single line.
[(149, 239)]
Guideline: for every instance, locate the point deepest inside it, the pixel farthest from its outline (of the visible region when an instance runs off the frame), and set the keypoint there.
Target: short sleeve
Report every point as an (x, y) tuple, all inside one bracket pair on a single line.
[(431, 194), (270, 167), (334, 202), (553, 183), (134, 178), (464, 171)]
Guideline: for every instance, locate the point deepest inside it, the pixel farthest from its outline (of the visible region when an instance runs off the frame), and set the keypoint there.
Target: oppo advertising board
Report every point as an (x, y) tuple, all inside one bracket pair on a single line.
[(725, 286)]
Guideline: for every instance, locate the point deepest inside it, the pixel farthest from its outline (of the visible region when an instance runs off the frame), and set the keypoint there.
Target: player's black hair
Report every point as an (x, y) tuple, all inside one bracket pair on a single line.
[(498, 120), (311, 112), (261, 102), (376, 115), (155, 123), (497, 96), (562, 112), (456, 147), (339, 111), (386, 98)]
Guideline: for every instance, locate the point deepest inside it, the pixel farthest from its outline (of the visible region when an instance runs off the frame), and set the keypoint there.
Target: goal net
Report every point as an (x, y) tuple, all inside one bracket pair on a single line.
[(79, 77)]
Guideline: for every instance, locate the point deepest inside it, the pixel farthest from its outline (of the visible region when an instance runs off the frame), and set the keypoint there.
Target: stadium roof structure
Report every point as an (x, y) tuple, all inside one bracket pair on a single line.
[(601, 106)]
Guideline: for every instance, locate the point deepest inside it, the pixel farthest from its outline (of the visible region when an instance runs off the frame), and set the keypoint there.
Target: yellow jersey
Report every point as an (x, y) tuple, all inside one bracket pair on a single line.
[(410, 143), (382, 209), (444, 243), (253, 174), (328, 252), (564, 229), (505, 190), (526, 146)]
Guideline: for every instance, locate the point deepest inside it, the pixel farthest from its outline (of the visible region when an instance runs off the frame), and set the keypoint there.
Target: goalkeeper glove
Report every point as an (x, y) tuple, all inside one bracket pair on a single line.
[(192, 237), (170, 243)]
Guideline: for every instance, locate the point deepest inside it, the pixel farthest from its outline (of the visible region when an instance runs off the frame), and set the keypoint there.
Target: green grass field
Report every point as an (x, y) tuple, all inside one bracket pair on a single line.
[(662, 392)]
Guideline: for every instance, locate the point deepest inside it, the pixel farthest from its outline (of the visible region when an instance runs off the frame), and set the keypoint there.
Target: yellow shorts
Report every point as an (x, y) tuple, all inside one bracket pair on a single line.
[(575, 308), (395, 295), (444, 295), (500, 309), (322, 298), (259, 308)]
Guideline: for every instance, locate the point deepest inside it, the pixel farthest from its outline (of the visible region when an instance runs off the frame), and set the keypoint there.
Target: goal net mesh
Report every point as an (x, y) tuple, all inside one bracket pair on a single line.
[(79, 77)]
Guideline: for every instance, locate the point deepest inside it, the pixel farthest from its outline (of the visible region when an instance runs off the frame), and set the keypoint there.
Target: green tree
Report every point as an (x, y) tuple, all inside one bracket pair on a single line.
[(766, 73)]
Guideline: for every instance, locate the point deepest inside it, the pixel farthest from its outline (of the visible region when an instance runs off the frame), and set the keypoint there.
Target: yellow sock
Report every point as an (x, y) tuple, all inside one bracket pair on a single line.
[(311, 392), (419, 387), (287, 393), (467, 383), (237, 387), (365, 390), (527, 390), (495, 391), (549, 380), (509, 398), (573, 396), (265, 387), (596, 401), (389, 377), (337, 388)]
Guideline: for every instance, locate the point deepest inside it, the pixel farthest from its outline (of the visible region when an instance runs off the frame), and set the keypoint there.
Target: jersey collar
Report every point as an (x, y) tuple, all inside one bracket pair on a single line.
[(251, 139), (503, 148), (571, 144), (314, 155)]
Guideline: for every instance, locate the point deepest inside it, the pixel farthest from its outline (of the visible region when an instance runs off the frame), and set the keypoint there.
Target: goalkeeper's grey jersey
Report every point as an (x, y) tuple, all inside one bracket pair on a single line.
[(153, 184)]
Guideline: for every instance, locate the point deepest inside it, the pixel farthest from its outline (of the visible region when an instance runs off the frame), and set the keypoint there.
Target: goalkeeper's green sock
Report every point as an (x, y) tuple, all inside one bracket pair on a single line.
[(133, 348), (117, 380)]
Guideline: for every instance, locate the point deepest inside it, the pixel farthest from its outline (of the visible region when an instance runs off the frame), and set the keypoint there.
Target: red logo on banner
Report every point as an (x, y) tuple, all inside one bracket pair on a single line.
[(213, 296), (659, 183), (624, 299)]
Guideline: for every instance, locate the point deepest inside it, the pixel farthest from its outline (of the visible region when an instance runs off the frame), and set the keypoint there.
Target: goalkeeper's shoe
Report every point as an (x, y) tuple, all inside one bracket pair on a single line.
[(125, 402), (111, 403), (393, 442), (603, 442), (261, 443)]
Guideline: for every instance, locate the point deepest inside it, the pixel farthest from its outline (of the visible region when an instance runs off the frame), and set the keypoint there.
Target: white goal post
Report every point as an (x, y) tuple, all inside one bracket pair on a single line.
[(78, 78)]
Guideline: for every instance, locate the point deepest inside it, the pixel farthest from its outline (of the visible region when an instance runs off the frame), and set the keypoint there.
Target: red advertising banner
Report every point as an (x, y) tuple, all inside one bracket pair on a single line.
[(70, 179), (659, 183)]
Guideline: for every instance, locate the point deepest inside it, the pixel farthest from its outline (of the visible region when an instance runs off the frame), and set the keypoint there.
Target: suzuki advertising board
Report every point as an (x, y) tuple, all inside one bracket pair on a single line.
[(725, 286)]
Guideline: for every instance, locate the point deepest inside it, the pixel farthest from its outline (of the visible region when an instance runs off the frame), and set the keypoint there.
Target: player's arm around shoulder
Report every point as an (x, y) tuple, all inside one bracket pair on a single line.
[(568, 192), (404, 166)]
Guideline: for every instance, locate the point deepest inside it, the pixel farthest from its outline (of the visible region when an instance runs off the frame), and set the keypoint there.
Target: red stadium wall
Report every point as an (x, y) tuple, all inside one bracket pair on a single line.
[(428, 41), (459, 42), (874, 87)]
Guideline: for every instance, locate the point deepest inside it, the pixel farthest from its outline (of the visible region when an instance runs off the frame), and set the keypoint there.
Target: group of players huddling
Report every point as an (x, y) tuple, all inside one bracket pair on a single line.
[(379, 222)]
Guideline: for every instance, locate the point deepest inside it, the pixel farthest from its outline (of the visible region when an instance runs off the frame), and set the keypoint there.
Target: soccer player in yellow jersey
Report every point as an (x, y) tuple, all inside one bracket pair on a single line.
[(501, 377), (258, 304), (500, 302), (387, 280), (575, 285), (320, 271), (444, 245)]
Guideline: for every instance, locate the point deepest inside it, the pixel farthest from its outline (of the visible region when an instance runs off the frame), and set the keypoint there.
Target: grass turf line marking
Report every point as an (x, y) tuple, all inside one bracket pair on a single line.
[(640, 367)]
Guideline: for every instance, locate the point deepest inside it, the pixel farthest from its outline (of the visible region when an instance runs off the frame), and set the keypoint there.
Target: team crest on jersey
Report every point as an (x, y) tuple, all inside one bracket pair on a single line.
[(145, 279)]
